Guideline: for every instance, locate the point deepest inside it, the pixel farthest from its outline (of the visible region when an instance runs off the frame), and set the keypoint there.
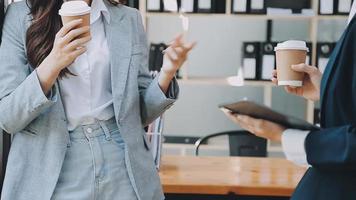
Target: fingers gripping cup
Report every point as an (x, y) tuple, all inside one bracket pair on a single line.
[(73, 10), (288, 53)]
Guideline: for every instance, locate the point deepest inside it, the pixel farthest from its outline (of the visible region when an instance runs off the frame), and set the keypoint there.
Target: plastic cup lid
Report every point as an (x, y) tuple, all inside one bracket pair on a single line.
[(74, 8), (292, 45)]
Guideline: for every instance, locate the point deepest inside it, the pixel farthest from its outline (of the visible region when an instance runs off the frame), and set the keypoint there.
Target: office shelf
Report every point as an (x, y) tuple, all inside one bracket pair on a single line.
[(333, 17), (251, 16), (224, 81)]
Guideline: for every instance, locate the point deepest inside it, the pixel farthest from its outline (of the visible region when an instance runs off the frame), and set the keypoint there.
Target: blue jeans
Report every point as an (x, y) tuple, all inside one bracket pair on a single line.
[(95, 167)]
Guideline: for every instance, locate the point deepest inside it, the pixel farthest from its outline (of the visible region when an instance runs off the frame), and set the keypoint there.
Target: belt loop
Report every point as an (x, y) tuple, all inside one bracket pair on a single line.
[(69, 144), (85, 133), (105, 129)]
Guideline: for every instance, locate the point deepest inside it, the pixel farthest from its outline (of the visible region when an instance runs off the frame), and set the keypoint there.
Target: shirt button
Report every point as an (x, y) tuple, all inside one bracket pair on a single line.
[(89, 130)]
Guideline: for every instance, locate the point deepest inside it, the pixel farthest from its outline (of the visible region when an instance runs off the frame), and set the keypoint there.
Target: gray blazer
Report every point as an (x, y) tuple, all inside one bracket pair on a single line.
[(38, 123)]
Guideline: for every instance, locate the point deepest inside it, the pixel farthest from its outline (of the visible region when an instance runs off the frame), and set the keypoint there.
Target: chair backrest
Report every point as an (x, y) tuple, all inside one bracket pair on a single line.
[(244, 143), (241, 143)]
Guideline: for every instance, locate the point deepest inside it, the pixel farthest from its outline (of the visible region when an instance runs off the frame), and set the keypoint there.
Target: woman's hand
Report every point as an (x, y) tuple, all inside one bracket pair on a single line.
[(311, 84), (259, 127), (174, 57), (66, 48)]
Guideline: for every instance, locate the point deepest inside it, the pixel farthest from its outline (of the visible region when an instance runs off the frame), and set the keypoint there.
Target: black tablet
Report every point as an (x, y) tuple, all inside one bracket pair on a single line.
[(262, 112)]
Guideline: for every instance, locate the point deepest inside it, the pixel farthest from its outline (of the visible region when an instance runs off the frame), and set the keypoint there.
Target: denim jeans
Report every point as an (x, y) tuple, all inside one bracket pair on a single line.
[(95, 167)]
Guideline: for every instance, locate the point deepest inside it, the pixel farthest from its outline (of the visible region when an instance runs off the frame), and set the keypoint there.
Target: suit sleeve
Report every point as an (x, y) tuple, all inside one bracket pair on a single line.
[(21, 95), (332, 147), (153, 101)]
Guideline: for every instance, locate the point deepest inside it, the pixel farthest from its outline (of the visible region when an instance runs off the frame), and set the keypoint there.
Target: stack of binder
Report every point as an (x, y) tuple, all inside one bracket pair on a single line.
[(335, 7), (188, 6), (258, 60), (248, 7), (260, 6)]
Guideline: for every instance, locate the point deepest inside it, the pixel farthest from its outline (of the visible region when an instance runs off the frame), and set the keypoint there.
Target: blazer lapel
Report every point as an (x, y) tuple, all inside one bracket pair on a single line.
[(330, 67), (119, 35)]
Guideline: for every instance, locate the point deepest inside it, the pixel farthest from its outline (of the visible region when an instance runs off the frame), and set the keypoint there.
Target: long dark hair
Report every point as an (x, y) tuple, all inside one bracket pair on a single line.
[(43, 29)]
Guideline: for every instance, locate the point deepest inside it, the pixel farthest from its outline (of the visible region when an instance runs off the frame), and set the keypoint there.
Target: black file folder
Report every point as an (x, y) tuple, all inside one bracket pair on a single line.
[(317, 116), (132, 3), (324, 51), (326, 7), (343, 7), (159, 56), (268, 60), (296, 6), (257, 6), (240, 6), (205, 6), (156, 56), (219, 6), (309, 54), (251, 60), (154, 5), (152, 57)]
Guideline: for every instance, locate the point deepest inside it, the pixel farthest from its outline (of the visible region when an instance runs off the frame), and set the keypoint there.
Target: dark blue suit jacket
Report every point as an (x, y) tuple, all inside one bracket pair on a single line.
[(332, 150)]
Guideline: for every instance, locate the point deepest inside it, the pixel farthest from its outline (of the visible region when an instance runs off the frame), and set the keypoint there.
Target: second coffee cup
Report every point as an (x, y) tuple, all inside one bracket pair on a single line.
[(288, 53), (73, 10)]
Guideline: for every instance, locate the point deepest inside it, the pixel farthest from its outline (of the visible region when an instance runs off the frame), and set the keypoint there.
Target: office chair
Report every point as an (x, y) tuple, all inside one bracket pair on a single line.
[(241, 143)]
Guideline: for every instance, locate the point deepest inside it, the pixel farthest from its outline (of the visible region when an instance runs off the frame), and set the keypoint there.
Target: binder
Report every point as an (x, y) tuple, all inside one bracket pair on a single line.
[(187, 6), (268, 60), (324, 51), (219, 6), (326, 7), (343, 6), (250, 60), (154, 5), (309, 54), (155, 60), (257, 7), (205, 6), (152, 57), (239, 6), (133, 3), (170, 6), (317, 116), (295, 6), (159, 56)]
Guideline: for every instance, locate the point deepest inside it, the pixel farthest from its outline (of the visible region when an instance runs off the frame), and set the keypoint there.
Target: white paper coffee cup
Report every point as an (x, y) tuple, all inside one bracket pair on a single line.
[(72, 10), (288, 53)]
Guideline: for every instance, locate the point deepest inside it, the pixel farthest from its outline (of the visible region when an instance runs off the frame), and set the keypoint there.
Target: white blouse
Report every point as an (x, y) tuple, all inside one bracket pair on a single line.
[(87, 97)]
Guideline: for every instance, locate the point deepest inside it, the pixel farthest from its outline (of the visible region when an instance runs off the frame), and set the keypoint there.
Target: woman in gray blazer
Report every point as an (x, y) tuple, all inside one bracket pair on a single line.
[(77, 106)]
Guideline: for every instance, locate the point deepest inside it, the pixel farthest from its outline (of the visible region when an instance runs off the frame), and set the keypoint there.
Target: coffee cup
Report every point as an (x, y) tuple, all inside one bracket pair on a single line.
[(288, 53), (73, 10)]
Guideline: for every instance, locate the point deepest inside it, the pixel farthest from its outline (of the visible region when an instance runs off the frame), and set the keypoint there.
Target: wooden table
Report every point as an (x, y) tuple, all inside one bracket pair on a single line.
[(267, 177)]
